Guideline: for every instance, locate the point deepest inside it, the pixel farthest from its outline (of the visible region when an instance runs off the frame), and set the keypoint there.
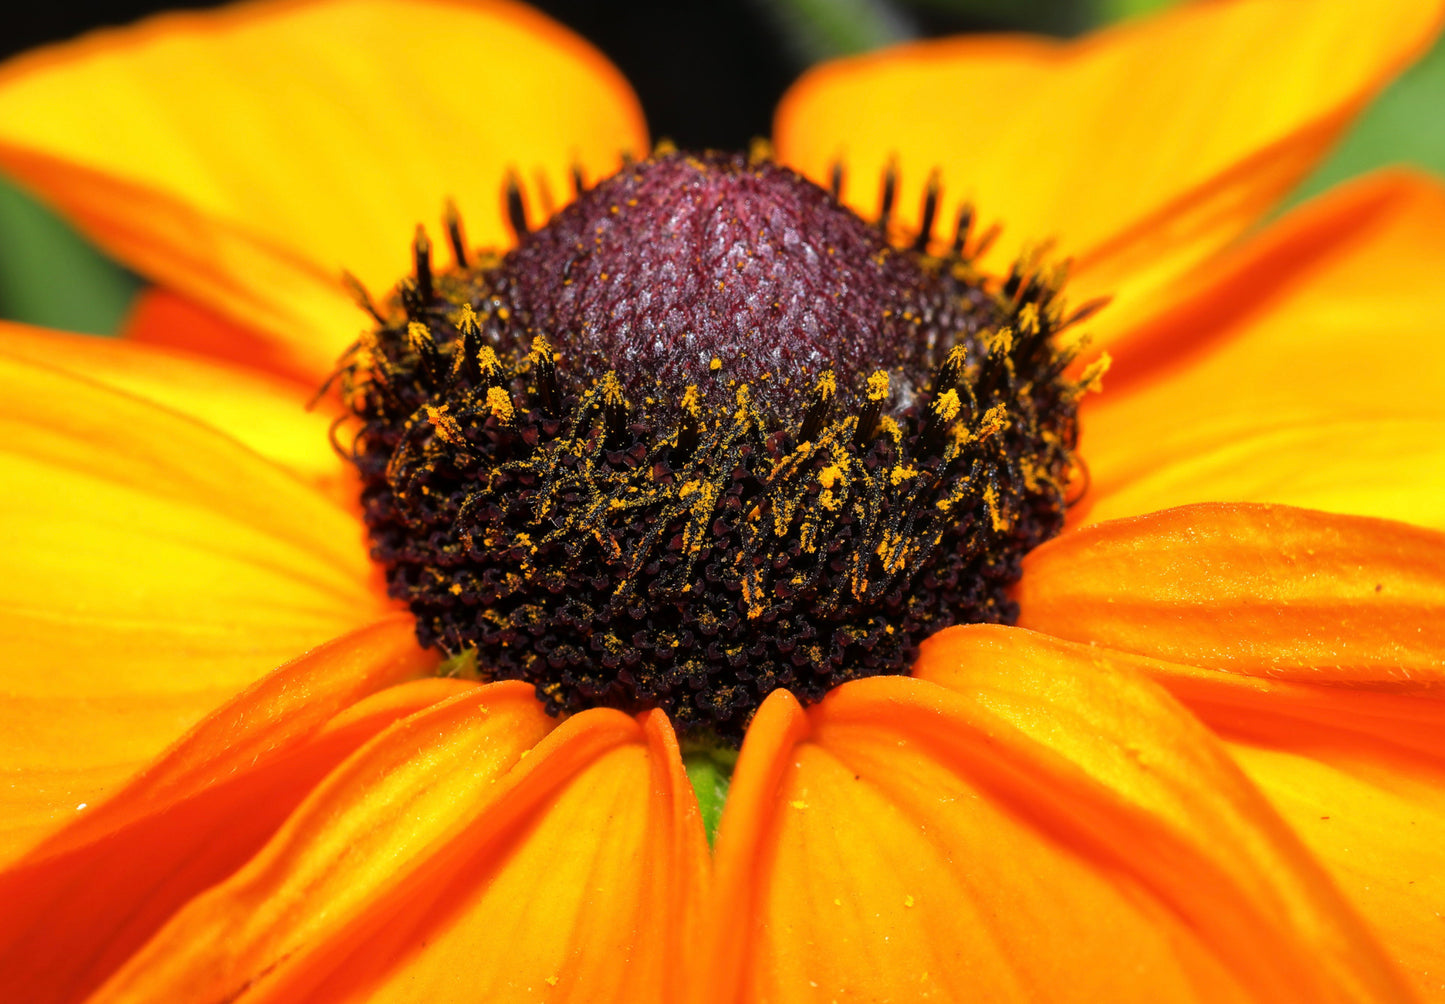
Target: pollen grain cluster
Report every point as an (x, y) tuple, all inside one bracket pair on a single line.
[(707, 434)]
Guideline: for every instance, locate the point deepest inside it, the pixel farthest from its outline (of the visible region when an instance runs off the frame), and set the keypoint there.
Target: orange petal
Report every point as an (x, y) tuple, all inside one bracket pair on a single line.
[(1261, 590), (151, 569), (258, 410), (243, 157), (162, 318), (1052, 832), (1360, 777), (1308, 370), (1142, 149), (450, 860), (87, 898)]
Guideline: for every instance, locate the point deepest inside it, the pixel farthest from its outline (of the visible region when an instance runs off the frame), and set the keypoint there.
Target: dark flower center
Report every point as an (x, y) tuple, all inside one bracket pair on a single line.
[(707, 434)]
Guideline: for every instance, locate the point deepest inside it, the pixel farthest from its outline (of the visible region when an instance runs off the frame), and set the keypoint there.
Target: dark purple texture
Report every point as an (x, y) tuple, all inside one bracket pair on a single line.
[(668, 265)]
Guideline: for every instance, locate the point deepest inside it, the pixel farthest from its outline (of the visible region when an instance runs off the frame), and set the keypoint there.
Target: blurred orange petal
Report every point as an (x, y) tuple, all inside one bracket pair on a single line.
[(1261, 590), (151, 569), (569, 870), (1050, 832), (266, 413), (165, 319), (1300, 373), (244, 157), (1142, 149), (81, 902), (1360, 777)]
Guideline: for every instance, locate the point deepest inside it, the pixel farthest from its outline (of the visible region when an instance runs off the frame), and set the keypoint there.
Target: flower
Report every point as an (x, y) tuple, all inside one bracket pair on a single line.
[(1207, 764)]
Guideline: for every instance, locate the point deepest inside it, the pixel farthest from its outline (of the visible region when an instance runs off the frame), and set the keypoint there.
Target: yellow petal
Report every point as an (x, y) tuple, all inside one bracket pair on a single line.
[(266, 413), (1307, 370), (1142, 149), (1262, 590), (1360, 777), (151, 568), (450, 860), (244, 157), (1052, 832), (84, 900)]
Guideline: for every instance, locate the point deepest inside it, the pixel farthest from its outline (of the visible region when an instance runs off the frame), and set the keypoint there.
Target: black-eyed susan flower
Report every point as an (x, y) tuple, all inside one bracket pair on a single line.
[(1195, 754)]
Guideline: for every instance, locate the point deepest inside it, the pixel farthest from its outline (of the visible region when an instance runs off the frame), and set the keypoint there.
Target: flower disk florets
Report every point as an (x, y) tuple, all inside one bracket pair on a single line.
[(707, 434)]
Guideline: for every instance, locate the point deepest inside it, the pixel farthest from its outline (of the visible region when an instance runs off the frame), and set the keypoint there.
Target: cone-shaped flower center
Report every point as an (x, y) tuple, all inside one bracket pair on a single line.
[(707, 434), (671, 265)]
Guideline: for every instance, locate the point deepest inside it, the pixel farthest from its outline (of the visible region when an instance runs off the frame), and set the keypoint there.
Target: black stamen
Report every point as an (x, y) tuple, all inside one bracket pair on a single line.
[(872, 410), (410, 297), (962, 229), (890, 193), (942, 413), (950, 371), (930, 210), (817, 413), (361, 297), (421, 258), (468, 345), (984, 243), (546, 370), (614, 413), (835, 180), (689, 429), (516, 207), (453, 220), (419, 339), (579, 180)]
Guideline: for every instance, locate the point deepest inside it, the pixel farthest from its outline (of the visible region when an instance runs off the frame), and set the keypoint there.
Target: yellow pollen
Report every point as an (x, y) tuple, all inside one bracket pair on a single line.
[(878, 385), (445, 425), (612, 390), (1000, 343), (994, 421), (901, 473), (947, 406), (417, 336), (499, 402), (1093, 376), (1029, 318), (830, 475)]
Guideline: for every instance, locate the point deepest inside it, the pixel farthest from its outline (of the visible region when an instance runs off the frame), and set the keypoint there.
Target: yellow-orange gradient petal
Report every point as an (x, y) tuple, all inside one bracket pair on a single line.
[(1262, 590), (150, 569), (1359, 776), (266, 413), (1308, 370), (244, 157), (162, 318), (1142, 149), (450, 860), (83, 901), (1064, 834)]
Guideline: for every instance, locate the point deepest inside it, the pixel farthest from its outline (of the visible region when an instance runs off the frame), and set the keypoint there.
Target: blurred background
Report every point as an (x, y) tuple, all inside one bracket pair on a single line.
[(708, 72)]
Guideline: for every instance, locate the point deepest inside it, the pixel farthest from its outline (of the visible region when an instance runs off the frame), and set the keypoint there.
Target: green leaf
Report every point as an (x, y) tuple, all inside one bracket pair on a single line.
[(822, 29), (1106, 11), (711, 771), (51, 276), (1403, 126)]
